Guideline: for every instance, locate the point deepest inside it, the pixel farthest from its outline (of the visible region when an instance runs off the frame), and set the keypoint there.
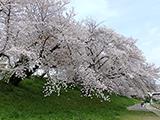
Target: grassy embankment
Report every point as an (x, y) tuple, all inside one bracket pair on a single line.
[(26, 102)]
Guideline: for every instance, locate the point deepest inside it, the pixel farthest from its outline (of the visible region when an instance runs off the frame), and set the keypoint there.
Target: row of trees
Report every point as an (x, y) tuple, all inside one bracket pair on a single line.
[(43, 34)]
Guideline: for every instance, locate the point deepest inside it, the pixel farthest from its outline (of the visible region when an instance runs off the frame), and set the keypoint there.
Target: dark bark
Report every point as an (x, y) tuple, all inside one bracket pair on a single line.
[(14, 80), (56, 47), (42, 76)]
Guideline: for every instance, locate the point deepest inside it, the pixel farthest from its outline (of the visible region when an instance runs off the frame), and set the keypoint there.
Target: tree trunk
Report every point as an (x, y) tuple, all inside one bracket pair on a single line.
[(14, 80), (42, 76)]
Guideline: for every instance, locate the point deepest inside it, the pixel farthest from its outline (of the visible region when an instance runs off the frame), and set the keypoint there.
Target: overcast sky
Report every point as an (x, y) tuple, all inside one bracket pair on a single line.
[(139, 19)]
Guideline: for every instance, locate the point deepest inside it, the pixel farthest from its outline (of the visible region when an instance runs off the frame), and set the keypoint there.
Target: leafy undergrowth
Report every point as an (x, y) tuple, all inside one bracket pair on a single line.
[(26, 102)]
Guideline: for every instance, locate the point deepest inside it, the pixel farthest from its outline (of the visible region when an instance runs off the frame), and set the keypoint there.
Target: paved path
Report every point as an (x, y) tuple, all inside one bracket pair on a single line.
[(138, 107), (153, 109), (147, 108)]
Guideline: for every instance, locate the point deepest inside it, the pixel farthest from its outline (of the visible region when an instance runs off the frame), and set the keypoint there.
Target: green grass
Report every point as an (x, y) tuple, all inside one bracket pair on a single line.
[(134, 115), (26, 102)]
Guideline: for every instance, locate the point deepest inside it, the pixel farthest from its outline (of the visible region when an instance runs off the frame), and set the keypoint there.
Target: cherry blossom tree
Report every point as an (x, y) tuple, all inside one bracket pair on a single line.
[(43, 34)]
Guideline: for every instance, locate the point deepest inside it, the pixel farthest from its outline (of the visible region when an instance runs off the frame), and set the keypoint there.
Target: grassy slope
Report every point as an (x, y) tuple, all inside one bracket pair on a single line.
[(26, 102)]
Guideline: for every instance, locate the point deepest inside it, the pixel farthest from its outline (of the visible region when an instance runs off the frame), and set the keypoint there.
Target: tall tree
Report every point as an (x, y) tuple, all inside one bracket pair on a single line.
[(43, 34)]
